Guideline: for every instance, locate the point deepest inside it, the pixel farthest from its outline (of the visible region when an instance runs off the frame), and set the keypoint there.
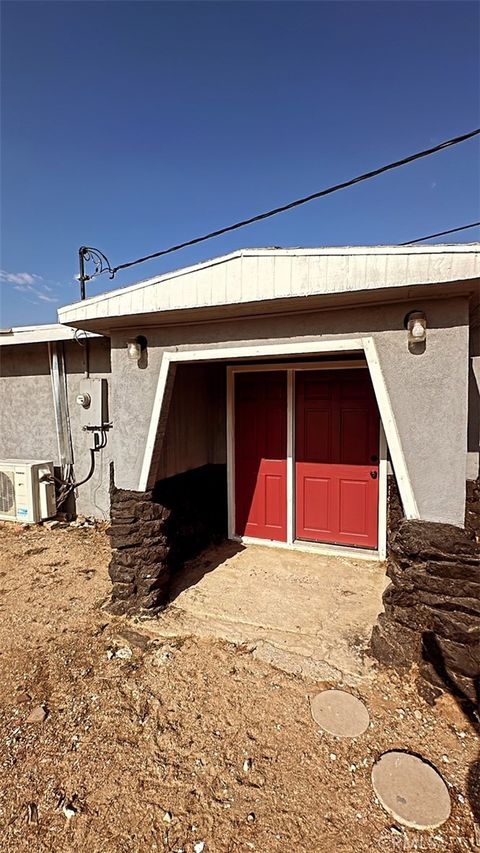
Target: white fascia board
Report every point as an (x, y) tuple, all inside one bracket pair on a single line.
[(40, 334), (78, 311)]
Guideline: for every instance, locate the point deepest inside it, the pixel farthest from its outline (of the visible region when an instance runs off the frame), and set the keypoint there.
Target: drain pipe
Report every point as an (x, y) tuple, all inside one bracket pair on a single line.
[(56, 355)]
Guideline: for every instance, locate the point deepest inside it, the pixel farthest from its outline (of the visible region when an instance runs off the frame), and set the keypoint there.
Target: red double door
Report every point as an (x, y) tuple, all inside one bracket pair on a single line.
[(336, 457)]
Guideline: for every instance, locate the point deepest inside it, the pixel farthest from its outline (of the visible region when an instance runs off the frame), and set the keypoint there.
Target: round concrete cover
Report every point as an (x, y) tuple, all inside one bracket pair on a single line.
[(411, 790), (339, 713)]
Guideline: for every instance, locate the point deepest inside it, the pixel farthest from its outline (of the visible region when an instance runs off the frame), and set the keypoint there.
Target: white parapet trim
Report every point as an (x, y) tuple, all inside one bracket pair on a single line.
[(387, 416), (258, 350), (476, 369), (169, 358)]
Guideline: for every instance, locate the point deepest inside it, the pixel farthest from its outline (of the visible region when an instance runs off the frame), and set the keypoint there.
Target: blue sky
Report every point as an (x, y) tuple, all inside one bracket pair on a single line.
[(131, 126)]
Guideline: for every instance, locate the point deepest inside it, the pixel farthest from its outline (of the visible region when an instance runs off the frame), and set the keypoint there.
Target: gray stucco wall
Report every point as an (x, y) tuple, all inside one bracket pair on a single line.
[(27, 420), (429, 392)]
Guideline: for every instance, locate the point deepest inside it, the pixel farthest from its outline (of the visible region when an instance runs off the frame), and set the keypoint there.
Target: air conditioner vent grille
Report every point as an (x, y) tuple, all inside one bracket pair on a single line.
[(7, 492)]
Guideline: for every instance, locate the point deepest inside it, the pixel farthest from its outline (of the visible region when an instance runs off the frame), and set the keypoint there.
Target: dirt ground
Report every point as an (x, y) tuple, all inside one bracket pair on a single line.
[(186, 744)]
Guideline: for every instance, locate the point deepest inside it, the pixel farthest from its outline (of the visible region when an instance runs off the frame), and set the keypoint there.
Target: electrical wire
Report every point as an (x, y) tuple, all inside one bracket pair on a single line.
[(441, 234), (68, 486), (322, 193)]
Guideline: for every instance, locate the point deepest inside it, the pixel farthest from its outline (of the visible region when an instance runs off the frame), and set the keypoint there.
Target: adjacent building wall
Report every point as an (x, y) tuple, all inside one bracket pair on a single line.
[(27, 419), (428, 392)]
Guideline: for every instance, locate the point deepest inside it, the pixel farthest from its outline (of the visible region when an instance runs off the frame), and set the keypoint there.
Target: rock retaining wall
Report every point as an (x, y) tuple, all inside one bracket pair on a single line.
[(153, 532), (394, 508), (432, 607), (472, 508)]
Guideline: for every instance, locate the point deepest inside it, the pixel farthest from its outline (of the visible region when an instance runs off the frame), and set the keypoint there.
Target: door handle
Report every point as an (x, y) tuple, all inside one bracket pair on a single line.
[(374, 475)]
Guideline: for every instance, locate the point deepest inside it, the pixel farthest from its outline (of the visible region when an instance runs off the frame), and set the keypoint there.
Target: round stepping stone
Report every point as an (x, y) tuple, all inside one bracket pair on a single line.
[(411, 790), (339, 713)]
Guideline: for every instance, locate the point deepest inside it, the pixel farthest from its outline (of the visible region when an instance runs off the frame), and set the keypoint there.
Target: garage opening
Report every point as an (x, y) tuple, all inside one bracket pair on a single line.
[(305, 466), (297, 446), (289, 454), (291, 444)]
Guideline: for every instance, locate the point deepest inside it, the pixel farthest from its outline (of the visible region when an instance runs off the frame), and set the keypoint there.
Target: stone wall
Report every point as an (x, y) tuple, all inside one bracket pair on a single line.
[(472, 508), (432, 608), (152, 533), (394, 508)]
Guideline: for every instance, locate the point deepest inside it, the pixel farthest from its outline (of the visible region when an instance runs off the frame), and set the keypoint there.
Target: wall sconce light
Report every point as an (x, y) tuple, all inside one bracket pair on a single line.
[(136, 348), (416, 325)]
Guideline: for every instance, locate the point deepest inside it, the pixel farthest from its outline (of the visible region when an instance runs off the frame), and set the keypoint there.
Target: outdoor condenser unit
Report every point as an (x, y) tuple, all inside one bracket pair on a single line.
[(25, 492)]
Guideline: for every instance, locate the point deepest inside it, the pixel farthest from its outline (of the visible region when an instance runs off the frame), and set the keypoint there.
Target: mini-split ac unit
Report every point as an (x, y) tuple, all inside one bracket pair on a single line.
[(27, 492)]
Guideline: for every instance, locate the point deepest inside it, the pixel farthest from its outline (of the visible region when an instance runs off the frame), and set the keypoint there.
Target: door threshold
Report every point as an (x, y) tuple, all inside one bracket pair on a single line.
[(314, 548)]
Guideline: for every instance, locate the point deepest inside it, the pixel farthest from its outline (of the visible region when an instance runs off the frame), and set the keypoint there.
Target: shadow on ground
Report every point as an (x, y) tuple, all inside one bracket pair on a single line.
[(193, 571), (433, 655)]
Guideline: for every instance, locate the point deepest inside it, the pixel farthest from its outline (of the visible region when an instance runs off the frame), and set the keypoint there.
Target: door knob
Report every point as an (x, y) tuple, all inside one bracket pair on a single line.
[(374, 475)]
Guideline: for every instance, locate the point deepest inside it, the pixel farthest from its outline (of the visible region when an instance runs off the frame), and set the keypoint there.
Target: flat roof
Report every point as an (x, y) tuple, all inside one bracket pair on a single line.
[(250, 276), (39, 334)]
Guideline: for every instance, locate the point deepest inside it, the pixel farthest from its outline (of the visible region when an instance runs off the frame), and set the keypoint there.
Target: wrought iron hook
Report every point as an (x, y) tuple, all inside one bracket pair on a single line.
[(101, 265)]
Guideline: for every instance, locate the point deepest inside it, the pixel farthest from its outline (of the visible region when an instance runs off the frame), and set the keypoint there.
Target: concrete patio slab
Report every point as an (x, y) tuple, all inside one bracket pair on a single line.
[(305, 613)]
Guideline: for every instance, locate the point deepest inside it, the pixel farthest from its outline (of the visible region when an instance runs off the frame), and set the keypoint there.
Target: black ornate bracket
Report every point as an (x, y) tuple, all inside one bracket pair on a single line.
[(101, 264)]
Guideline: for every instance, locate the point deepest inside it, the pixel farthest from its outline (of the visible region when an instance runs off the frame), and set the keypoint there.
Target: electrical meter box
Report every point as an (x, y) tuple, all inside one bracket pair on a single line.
[(92, 401)]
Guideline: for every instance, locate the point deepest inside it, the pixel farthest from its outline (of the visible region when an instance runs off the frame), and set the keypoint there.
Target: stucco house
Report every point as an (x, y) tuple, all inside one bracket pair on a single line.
[(302, 398), (278, 360)]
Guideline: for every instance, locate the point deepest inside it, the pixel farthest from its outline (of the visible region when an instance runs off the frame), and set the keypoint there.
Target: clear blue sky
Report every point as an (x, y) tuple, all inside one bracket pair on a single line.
[(131, 126)]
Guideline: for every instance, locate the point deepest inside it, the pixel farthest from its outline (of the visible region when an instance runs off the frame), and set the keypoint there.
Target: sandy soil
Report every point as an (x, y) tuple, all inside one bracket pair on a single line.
[(185, 741)]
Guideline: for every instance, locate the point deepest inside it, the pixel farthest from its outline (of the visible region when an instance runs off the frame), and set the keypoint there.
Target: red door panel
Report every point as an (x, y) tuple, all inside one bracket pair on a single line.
[(261, 455), (358, 506), (336, 469), (314, 502)]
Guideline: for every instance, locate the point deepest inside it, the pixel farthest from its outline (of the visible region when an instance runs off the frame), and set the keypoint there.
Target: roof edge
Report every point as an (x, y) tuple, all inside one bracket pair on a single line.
[(438, 248), (42, 333)]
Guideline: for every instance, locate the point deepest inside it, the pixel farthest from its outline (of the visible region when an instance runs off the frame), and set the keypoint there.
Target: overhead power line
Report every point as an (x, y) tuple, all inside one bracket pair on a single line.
[(102, 264), (441, 234), (292, 204)]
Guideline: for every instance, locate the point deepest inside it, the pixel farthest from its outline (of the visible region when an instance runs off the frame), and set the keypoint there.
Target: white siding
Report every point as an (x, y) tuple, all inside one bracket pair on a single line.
[(266, 274)]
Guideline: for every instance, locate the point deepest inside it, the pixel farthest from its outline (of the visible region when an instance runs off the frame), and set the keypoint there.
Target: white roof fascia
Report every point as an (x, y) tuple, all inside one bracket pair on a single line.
[(40, 334), (382, 266)]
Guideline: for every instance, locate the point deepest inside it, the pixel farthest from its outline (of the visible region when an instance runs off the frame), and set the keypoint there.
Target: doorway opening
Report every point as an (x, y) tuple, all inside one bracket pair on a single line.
[(307, 461)]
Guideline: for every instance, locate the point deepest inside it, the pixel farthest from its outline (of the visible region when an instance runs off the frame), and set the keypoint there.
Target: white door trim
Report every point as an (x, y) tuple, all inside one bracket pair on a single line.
[(299, 366), (308, 348), (382, 493), (290, 457), (231, 452), (297, 544), (171, 358)]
